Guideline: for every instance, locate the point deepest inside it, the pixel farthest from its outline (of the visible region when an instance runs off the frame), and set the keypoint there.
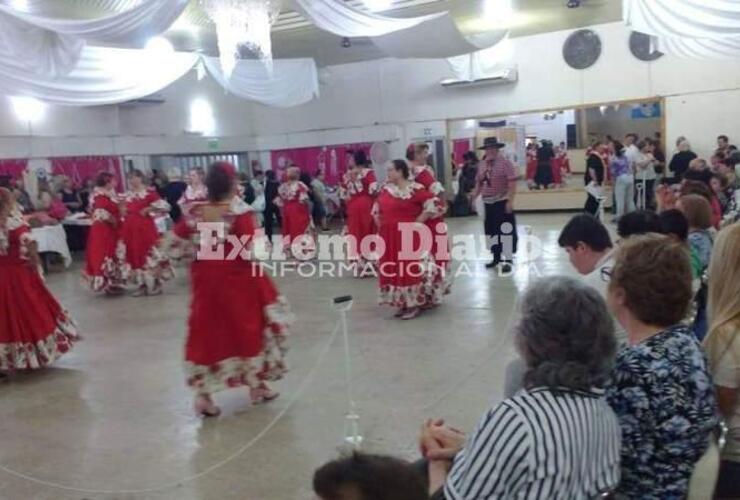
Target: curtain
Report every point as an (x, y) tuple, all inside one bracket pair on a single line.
[(102, 76), (697, 29), (328, 159), (292, 81), (13, 168), (459, 148), (81, 168), (483, 63), (343, 20), (51, 47)]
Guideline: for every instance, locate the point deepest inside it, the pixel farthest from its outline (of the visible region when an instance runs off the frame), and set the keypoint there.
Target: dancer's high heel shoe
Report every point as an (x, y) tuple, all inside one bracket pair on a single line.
[(262, 394), (411, 313), (205, 407)]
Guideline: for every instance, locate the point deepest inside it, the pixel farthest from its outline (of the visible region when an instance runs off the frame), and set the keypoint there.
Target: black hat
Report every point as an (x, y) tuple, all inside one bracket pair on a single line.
[(492, 142)]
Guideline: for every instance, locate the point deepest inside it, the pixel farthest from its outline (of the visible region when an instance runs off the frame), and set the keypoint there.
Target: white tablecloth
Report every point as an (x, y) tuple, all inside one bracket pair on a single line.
[(52, 239)]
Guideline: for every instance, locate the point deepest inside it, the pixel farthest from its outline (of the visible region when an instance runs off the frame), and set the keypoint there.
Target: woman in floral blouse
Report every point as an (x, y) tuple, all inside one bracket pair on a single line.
[(661, 389)]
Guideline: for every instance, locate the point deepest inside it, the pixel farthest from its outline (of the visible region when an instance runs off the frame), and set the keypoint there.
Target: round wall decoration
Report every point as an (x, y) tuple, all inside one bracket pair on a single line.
[(582, 49), (642, 48)]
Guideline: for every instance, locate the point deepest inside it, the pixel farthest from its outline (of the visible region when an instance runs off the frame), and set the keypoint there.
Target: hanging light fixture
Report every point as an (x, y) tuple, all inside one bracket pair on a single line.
[(245, 23)]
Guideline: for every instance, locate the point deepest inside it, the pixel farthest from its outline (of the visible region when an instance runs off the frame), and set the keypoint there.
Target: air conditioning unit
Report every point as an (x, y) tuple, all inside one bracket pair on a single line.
[(151, 100), (505, 76)]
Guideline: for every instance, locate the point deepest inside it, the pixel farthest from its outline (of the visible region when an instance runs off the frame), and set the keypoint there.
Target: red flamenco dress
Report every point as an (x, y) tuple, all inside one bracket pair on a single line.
[(406, 282), (440, 251), (293, 202), (34, 329), (148, 265), (531, 166), (105, 268), (358, 192), (238, 320)]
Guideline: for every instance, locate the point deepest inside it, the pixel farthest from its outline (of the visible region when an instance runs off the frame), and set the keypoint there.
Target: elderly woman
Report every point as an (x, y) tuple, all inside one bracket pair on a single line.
[(555, 439), (660, 389)]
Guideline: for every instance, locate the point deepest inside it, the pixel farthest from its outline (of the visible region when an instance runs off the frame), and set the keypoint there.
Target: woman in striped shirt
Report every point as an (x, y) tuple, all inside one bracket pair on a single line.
[(555, 439)]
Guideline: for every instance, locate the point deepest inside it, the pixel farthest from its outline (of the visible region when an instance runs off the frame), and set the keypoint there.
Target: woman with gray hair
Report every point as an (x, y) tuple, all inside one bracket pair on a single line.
[(556, 438)]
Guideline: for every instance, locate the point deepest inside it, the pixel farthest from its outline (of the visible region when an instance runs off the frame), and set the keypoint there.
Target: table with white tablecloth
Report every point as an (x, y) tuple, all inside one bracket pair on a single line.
[(52, 239)]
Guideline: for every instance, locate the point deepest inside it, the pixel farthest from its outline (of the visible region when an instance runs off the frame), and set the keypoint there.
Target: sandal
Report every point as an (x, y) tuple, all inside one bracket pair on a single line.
[(262, 394), (410, 313), (205, 407)]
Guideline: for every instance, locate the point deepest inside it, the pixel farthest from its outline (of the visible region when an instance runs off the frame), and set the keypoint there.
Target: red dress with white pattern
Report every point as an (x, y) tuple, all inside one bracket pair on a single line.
[(293, 202), (105, 267), (148, 265), (238, 321), (358, 193), (531, 164), (34, 329), (192, 197), (405, 281), (424, 175)]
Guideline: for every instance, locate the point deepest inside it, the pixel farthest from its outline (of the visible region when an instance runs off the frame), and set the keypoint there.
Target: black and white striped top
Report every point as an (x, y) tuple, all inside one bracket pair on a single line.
[(540, 444)]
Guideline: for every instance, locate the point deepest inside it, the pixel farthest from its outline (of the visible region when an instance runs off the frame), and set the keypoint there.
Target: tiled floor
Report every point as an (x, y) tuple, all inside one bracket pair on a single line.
[(113, 419)]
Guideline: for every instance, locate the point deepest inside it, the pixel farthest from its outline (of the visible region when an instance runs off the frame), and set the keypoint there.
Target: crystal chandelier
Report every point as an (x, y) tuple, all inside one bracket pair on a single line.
[(243, 23)]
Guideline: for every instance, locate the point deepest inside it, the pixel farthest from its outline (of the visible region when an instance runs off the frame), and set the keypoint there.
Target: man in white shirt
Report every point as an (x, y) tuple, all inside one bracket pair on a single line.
[(590, 251), (630, 148)]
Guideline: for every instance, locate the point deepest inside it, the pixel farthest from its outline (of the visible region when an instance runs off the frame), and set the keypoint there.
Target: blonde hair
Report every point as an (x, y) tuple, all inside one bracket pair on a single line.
[(724, 294), (293, 173)]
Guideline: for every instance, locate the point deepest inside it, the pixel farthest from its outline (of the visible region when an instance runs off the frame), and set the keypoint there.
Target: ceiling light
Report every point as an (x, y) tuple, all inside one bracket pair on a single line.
[(499, 10), (28, 109), (19, 4), (378, 5), (159, 45)]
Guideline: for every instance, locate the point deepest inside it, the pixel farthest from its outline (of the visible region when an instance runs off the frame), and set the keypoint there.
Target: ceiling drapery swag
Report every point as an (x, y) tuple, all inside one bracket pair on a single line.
[(106, 75), (52, 47), (700, 29)]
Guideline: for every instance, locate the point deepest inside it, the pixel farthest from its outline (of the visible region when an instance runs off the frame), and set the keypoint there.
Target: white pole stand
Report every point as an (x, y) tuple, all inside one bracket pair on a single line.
[(352, 434)]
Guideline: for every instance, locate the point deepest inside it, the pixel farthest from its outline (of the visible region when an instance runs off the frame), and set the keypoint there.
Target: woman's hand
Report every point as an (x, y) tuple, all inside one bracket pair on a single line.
[(439, 441)]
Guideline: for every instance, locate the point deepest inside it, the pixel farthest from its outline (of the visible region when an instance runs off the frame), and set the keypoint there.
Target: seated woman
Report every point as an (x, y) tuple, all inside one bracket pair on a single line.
[(555, 439), (660, 389)]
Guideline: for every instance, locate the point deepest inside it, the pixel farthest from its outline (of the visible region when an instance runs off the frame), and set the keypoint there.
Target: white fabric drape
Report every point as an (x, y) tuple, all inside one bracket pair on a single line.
[(343, 20), (695, 29), (107, 75), (292, 81), (103, 75), (52, 47), (684, 18), (436, 38), (483, 63)]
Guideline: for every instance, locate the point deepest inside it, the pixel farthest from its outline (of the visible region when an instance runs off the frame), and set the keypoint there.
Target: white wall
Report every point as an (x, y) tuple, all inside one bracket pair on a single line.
[(394, 99)]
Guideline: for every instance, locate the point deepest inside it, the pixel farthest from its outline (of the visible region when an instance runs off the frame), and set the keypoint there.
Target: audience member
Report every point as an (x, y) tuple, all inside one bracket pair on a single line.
[(594, 178), (319, 207), (723, 144), (704, 190), (723, 351), (698, 171), (22, 198), (624, 181), (173, 192), (630, 148), (87, 188), (557, 437), (673, 223), (369, 477), (680, 161), (70, 196), (645, 175), (589, 247), (45, 197), (271, 213), (661, 388), (638, 222), (698, 213)]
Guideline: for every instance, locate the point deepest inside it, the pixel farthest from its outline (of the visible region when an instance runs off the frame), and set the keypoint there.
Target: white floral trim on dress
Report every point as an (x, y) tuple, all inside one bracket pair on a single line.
[(31, 356), (352, 186), (157, 269), (404, 194), (114, 272), (12, 222), (237, 371), (428, 293), (102, 215)]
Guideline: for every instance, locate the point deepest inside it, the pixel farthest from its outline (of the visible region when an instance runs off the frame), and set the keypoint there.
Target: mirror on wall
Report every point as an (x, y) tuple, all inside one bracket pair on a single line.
[(549, 148)]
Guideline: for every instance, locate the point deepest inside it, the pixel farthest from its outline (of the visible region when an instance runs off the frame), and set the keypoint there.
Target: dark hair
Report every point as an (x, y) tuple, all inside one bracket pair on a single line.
[(634, 136), (402, 167), (374, 477), (696, 187), (103, 179), (641, 144), (270, 175), (565, 335), (673, 223), (360, 158), (305, 178), (219, 180), (618, 149), (585, 229), (723, 180), (723, 137), (137, 173), (470, 155), (410, 152), (655, 274), (638, 222)]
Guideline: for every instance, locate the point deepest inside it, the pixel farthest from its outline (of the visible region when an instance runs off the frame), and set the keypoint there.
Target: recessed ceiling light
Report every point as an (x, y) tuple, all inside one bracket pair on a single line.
[(378, 5)]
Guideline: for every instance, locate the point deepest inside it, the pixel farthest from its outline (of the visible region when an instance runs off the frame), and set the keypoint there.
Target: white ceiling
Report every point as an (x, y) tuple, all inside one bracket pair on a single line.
[(293, 36)]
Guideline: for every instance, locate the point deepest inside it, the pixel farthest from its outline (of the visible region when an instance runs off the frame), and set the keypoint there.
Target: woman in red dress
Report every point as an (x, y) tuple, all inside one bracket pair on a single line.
[(238, 321), (293, 203), (532, 162), (408, 282), (196, 191), (34, 329), (421, 173), (105, 268), (148, 265), (358, 190)]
